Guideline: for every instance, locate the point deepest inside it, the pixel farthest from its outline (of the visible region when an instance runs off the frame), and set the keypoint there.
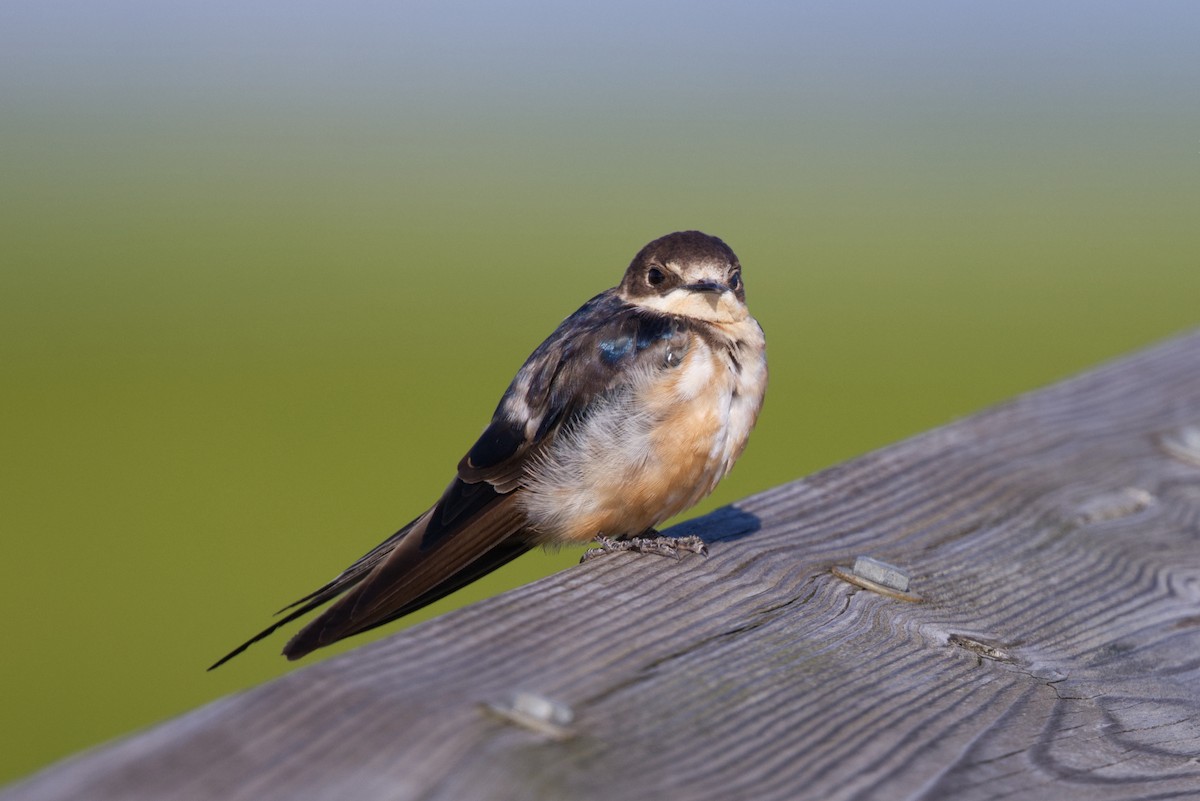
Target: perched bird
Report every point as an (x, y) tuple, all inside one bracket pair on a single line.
[(629, 413)]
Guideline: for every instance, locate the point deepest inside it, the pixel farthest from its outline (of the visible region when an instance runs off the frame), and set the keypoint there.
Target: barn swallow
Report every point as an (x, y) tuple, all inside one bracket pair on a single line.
[(628, 414)]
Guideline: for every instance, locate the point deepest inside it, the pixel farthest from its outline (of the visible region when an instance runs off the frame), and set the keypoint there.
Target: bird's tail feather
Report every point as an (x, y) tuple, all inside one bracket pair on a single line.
[(415, 573), (344, 581)]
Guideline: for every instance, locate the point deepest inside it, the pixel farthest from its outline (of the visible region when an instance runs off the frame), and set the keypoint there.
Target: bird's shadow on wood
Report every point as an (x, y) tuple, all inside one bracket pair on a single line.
[(721, 525)]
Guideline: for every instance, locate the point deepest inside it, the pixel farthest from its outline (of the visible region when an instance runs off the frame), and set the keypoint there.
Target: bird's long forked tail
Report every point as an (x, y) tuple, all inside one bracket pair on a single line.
[(410, 570), (345, 580), (427, 564), (308, 607)]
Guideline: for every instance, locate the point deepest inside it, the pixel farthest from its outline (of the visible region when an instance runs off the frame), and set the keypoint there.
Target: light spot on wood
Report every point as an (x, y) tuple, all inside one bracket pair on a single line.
[(536, 713), (1113, 505), (881, 573), (1183, 444), (874, 586)]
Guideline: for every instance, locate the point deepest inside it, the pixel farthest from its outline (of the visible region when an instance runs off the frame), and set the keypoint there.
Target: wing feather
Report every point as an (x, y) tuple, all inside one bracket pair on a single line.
[(590, 355)]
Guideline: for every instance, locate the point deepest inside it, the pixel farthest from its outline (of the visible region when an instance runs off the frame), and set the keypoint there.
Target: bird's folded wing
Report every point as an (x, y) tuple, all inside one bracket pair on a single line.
[(595, 352)]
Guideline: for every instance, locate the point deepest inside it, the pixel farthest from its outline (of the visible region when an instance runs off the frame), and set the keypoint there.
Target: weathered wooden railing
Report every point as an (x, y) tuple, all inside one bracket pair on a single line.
[(1053, 544)]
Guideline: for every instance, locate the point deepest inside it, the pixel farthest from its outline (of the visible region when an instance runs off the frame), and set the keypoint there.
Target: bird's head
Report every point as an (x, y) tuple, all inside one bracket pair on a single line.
[(689, 274)]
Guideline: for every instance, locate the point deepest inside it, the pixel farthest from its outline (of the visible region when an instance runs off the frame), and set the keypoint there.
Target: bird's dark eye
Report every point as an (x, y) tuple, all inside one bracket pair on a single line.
[(654, 276), (735, 281)]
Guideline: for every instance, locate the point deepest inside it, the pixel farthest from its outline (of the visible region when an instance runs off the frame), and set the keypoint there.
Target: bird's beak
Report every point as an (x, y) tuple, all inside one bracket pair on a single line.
[(706, 286)]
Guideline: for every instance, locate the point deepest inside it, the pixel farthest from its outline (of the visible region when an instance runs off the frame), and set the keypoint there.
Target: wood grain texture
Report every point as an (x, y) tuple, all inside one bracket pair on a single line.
[(1055, 542)]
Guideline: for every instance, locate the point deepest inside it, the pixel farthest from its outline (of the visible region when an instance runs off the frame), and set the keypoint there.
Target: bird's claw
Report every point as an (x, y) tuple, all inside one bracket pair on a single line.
[(662, 546)]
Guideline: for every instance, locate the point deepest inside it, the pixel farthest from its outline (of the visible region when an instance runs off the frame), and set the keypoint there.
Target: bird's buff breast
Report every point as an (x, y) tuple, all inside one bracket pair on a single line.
[(651, 451)]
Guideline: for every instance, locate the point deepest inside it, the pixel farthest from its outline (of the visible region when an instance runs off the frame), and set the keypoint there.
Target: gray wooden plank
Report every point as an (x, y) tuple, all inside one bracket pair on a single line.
[(1054, 542)]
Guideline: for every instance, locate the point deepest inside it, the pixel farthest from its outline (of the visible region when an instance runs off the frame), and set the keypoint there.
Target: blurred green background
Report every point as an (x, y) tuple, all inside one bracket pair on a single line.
[(266, 269)]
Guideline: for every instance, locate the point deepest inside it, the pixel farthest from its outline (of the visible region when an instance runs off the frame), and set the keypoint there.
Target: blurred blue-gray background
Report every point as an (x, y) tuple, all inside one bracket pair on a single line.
[(266, 268)]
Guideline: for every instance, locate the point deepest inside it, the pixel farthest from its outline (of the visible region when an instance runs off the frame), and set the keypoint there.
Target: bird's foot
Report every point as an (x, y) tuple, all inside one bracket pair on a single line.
[(656, 544)]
